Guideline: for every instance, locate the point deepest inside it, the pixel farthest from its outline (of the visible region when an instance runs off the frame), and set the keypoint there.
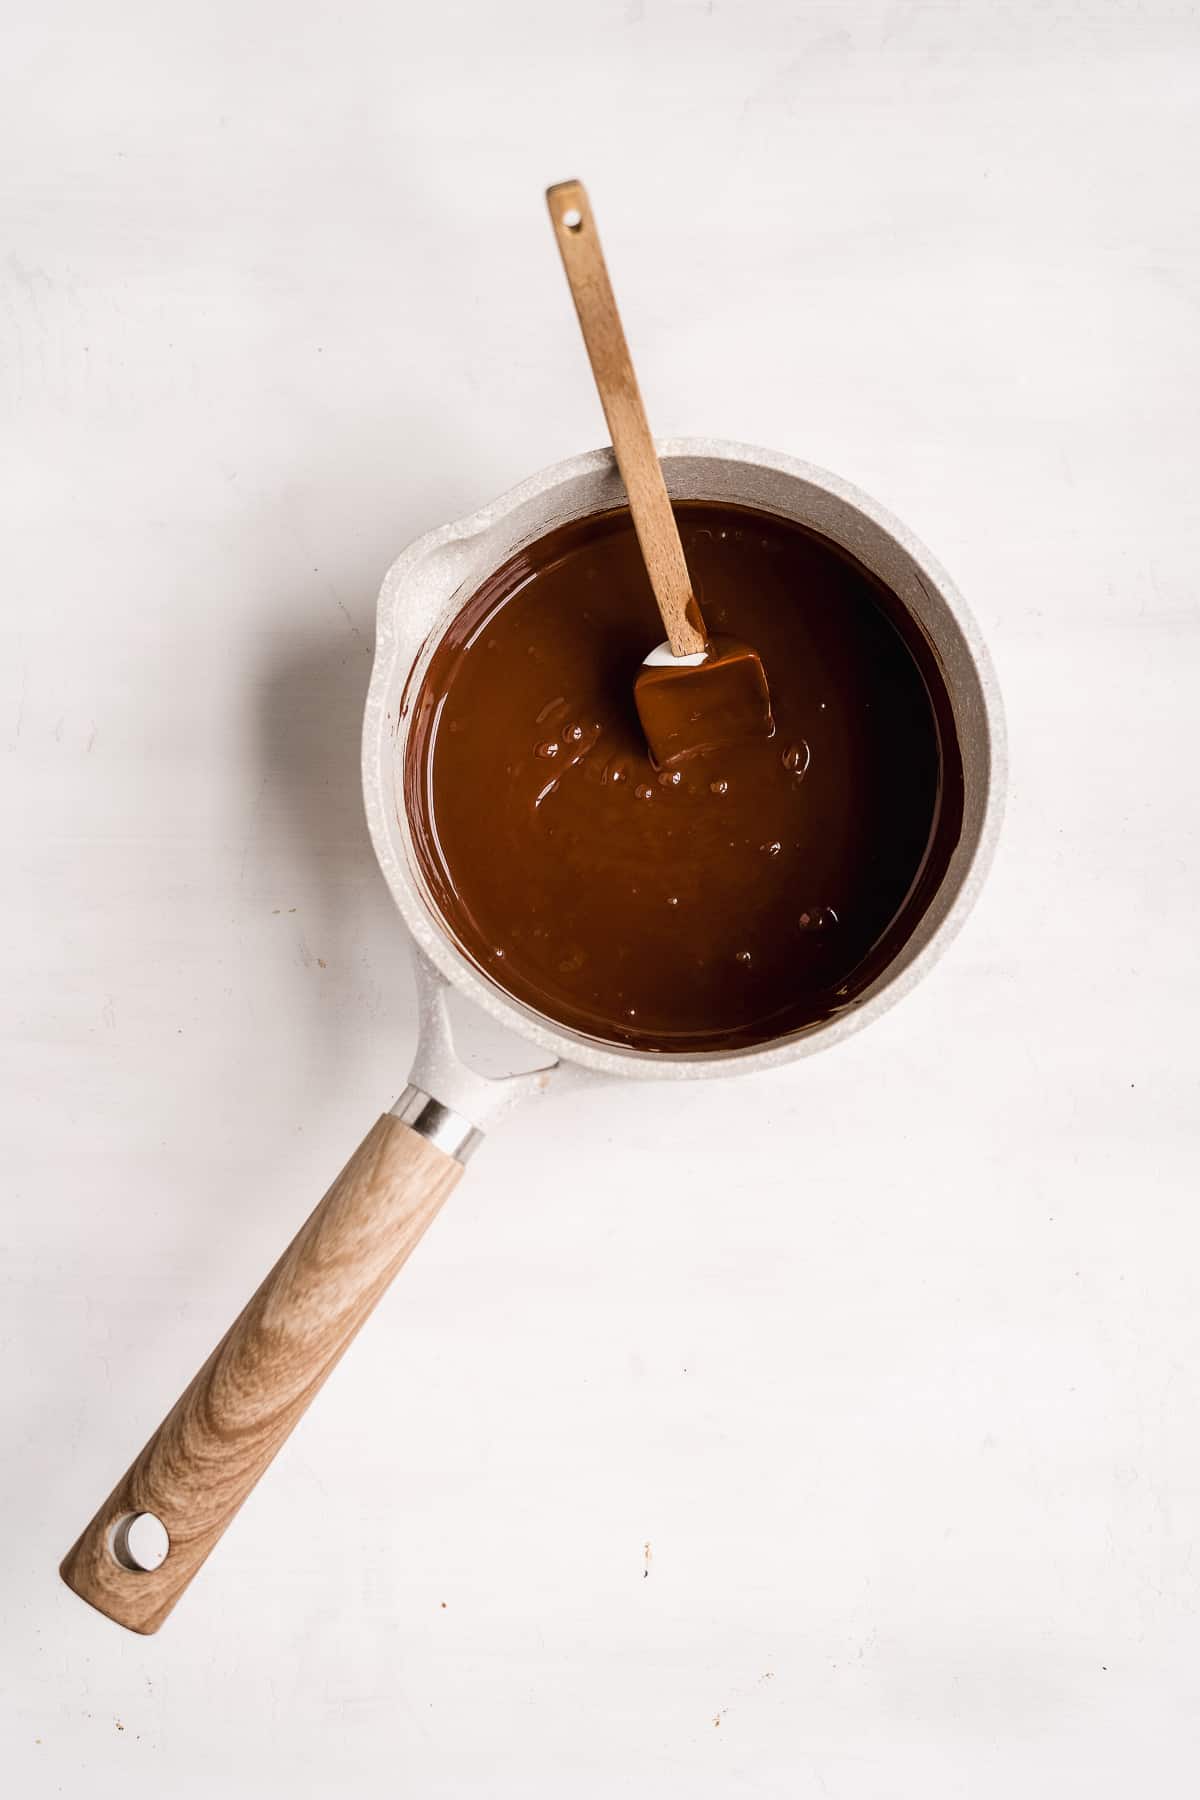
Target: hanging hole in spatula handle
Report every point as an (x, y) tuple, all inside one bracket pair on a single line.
[(568, 203)]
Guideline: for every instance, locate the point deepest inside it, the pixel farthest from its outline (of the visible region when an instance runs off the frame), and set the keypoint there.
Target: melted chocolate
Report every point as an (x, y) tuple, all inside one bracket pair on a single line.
[(752, 891)]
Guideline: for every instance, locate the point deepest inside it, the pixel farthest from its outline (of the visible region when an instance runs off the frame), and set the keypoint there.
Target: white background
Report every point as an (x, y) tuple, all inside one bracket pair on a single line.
[(891, 1359)]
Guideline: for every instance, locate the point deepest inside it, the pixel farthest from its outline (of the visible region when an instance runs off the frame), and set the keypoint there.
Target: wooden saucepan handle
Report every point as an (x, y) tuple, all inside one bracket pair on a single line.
[(225, 1428)]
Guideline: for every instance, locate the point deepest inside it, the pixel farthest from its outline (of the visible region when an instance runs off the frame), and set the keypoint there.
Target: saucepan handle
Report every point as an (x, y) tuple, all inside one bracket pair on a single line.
[(226, 1427)]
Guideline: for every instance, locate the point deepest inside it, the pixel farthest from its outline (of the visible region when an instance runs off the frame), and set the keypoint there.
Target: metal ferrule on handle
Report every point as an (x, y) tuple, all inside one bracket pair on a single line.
[(437, 1124)]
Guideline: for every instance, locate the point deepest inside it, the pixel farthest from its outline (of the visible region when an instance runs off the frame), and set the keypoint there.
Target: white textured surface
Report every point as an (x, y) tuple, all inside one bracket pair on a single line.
[(900, 1382)]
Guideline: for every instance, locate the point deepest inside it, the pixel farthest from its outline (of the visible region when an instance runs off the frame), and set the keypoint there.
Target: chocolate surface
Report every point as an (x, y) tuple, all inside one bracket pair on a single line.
[(752, 891)]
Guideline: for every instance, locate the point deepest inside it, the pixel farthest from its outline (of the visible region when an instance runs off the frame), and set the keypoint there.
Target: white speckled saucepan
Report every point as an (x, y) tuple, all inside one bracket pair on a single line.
[(427, 586), (199, 1466)]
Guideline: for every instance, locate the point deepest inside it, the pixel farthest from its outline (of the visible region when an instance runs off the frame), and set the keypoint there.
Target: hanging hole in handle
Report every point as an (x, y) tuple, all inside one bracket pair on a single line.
[(140, 1542), (573, 219)]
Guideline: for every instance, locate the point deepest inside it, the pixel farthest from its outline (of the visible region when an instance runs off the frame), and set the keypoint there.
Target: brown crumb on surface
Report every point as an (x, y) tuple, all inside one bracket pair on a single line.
[(647, 1557), (717, 1717), (443, 1606), (321, 963), (119, 1725)]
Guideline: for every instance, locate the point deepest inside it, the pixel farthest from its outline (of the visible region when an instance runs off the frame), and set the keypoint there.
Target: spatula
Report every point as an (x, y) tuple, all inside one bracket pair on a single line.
[(694, 693)]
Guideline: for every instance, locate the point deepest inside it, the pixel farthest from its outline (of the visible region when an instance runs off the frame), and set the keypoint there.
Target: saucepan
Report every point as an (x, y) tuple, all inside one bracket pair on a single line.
[(189, 1480)]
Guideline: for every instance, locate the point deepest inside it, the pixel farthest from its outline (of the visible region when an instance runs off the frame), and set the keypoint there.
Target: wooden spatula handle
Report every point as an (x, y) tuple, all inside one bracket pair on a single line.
[(224, 1430), (637, 459)]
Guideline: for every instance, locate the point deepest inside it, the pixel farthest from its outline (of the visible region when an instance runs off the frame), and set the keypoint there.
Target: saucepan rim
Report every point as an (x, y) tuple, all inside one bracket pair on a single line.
[(435, 576)]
